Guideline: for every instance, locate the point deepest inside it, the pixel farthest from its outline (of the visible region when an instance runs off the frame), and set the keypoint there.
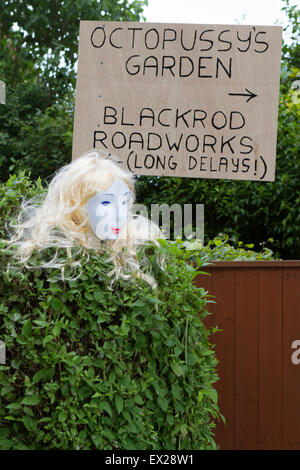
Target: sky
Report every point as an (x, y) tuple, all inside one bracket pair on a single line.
[(248, 12)]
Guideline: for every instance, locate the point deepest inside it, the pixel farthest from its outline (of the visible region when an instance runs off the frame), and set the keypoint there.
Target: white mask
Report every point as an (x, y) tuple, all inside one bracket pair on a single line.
[(108, 210)]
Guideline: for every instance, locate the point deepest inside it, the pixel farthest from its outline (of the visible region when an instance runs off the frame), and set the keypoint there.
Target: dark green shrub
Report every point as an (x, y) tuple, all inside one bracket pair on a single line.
[(89, 367), (35, 135)]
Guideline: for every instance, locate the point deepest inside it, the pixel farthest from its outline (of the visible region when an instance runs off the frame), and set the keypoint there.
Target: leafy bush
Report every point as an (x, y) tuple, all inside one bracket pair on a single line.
[(94, 368), (34, 135), (221, 248), (89, 367)]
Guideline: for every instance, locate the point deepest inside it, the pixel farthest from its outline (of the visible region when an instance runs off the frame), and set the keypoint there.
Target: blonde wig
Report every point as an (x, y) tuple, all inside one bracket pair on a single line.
[(61, 221)]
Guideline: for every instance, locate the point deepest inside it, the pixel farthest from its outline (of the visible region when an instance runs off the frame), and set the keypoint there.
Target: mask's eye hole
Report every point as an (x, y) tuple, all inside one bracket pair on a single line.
[(105, 203)]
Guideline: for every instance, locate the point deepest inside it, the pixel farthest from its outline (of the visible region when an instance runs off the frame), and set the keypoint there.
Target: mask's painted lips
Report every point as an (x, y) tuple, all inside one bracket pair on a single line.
[(115, 230)]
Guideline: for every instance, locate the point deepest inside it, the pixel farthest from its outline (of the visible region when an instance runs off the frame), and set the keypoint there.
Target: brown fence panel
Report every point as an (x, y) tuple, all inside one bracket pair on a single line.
[(270, 358), (246, 375), (258, 309), (291, 382), (223, 317)]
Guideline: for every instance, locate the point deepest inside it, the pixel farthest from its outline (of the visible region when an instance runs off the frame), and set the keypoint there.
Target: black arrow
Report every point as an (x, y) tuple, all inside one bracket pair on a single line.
[(249, 94)]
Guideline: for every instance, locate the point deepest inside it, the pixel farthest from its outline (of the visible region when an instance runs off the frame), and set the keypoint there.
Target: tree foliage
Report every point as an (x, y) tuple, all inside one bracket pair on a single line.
[(44, 34), (38, 53), (291, 50)]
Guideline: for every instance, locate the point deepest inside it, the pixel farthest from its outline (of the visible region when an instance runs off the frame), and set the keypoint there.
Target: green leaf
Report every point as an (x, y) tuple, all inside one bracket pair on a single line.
[(41, 323), (213, 394), (62, 416), (170, 419), (119, 403), (56, 330), (99, 295), (31, 400), (138, 399), (38, 376), (56, 304), (106, 407), (27, 328), (112, 377), (176, 369), (14, 406), (183, 430), (163, 403), (97, 439), (29, 423), (6, 389), (132, 427)]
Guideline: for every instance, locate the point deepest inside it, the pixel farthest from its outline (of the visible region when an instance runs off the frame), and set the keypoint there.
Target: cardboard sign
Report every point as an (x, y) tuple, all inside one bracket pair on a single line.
[(197, 101)]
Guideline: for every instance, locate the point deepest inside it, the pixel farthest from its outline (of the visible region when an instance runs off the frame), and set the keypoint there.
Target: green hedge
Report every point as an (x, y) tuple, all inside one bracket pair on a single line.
[(89, 367), (94, 368)]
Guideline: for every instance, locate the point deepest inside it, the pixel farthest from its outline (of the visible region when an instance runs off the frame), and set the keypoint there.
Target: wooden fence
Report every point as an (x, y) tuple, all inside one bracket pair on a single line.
[(258, 309)]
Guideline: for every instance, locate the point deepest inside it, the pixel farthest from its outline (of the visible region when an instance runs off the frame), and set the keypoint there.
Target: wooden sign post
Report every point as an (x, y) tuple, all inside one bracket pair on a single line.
[(197, 101)]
